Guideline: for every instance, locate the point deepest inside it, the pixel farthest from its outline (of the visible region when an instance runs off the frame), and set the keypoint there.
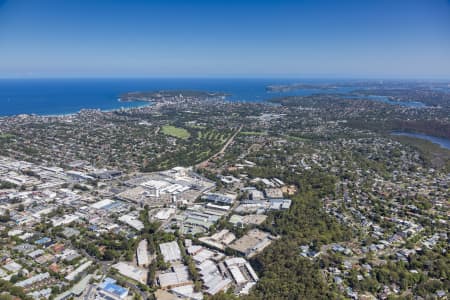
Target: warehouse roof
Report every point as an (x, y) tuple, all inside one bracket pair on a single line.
[(170, 251)]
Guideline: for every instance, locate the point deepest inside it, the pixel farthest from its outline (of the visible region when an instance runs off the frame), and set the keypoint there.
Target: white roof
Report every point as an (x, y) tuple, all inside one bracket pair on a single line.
[(218, 286), (132, 221), (34, 279), (170, 251), (102, 203), (141, 253), (237, 274), (251, 271), (12, 266), (15, 232), (193, 249), (187, 291), (71, 276), (180, 275), (246, 289), (130, 271), (165, 213), (207, 266), (203, 255), (235, 261), (67, 219), (157, 184)]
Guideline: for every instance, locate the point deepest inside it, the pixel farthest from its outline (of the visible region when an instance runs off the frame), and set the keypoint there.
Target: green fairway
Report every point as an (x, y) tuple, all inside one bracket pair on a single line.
[(177, 132), (6, 136), (253, 133)]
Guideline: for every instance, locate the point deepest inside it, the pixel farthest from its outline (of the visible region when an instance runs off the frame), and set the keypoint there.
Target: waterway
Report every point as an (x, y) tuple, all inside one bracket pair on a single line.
[(444, 143)]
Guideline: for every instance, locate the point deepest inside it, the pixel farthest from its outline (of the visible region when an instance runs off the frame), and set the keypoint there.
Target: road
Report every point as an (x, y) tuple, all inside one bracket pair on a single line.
[(222, 150)]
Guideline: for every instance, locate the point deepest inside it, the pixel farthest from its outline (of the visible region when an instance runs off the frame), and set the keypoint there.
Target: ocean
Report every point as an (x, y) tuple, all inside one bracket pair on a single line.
[(65, 96)]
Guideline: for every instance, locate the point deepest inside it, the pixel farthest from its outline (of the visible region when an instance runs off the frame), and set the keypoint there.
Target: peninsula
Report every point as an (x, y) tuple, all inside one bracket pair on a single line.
[(171, 96)]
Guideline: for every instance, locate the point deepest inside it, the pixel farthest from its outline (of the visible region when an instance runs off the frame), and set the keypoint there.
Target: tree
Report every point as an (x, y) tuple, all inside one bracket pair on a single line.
[(5, 217)]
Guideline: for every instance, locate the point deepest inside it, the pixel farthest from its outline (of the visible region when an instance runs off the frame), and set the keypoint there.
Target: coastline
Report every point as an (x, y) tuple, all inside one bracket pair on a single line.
[(61, 97), (69, 114)]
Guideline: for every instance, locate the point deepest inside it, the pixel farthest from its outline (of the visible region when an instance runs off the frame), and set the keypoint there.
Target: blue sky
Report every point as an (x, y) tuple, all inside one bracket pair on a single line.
[(246, 38)]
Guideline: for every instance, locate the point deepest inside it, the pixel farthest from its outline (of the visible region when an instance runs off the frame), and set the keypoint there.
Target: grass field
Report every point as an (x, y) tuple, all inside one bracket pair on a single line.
[(177, 132), (253, 133), (6, 136)]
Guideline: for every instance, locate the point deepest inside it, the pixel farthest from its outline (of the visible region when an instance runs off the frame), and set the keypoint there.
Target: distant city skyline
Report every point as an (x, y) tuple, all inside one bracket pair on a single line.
[(173, 38)]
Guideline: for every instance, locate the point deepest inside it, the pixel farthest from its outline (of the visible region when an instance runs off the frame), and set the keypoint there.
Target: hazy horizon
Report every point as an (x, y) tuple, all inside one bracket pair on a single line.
[(331, 78), (219, 39)]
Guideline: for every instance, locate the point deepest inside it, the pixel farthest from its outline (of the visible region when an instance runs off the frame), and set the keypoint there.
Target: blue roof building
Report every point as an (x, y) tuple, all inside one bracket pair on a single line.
[(218, 199), (45, 241), (108, 289)]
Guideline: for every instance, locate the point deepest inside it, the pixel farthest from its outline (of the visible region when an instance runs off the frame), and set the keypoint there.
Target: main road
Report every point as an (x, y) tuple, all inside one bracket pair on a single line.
[(222, 150)]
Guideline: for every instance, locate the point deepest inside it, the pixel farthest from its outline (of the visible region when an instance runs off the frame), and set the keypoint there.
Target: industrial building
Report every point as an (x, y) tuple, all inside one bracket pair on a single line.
[(110, 290), (280, 204), (198, 219), (102, 204), (240, 221), (187, 292), (142, 254), (172, 186), (165, 213), (219, 240), (252, 243), (179, 276), (212, 278), (132, 221), (219, 198), (130, 271), (170, 251)]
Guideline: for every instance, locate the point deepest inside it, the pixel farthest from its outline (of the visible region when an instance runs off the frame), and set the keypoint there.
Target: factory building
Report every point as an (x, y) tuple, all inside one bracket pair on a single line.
[(142, 254)]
